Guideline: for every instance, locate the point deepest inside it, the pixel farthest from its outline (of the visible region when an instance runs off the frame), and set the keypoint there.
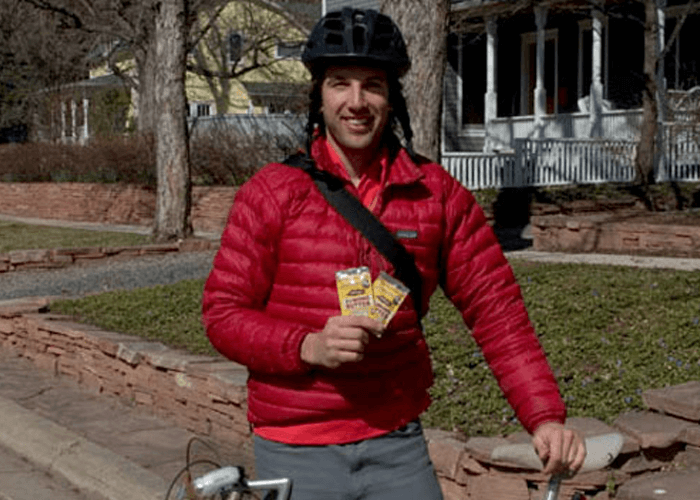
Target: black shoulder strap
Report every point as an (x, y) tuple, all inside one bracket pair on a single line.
[(365, 222)]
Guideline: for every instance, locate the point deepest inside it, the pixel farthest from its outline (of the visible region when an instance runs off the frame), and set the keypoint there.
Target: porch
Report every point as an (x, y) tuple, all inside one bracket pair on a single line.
[(559, 70)]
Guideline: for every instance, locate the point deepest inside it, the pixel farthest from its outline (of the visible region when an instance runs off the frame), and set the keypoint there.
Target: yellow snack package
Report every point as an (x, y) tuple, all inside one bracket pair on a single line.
[(388, 294), (354, 291)]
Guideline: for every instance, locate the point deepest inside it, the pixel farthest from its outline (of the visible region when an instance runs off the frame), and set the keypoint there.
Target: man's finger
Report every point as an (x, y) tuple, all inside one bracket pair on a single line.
[(368, 324)]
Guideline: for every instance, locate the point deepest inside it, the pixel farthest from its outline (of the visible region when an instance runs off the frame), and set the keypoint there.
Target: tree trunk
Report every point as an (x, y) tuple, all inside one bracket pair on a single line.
[(647, 148), (147, 68), (424, 27), (173, 198)]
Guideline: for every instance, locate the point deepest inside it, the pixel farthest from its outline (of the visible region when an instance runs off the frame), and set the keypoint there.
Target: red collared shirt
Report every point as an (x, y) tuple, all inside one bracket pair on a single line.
[(371, 180)]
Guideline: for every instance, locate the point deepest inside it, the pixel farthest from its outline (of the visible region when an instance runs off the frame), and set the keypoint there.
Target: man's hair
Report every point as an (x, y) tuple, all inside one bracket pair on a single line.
[(398, 124)]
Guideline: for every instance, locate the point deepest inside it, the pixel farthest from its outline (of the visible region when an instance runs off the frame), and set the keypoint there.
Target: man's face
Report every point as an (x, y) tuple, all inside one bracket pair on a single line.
[(355, 106)]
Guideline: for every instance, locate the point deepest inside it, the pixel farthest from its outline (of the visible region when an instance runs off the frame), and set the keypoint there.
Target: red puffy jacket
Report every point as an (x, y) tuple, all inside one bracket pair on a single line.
[(273, 282)]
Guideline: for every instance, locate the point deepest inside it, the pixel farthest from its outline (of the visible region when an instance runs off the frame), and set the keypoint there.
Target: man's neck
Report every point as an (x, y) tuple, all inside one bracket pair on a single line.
[(356, 162)]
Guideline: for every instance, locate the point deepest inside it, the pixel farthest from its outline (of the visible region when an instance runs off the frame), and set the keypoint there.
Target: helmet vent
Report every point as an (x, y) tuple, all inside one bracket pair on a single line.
[(334, 39), (359, 41)]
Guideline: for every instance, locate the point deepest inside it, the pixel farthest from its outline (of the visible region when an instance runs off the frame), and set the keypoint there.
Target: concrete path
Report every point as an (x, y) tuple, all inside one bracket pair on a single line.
[(94, 226), (23, 480), (103, 447)]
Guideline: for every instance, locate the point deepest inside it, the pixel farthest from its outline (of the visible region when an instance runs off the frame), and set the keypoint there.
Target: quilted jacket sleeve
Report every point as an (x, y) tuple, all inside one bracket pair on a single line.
[(480, 282), (239, 284)]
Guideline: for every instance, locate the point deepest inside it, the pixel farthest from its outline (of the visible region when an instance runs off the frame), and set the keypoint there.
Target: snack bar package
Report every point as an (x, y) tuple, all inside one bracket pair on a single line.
[(354, 291), (388, 293)]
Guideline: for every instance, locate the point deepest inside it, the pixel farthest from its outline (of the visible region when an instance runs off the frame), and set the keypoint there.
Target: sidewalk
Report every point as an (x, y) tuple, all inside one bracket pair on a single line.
[(96, 226), (104, 447)]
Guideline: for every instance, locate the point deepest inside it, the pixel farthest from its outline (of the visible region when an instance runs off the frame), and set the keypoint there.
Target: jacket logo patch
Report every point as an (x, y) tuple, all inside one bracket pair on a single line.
[(407, 234)]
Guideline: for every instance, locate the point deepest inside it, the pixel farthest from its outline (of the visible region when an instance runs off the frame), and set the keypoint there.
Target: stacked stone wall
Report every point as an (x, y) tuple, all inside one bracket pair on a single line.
[(109, 203), (613, 234)]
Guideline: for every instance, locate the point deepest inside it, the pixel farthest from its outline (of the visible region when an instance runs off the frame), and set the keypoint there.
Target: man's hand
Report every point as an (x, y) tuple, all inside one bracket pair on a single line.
[(342, 340), (562, 450)]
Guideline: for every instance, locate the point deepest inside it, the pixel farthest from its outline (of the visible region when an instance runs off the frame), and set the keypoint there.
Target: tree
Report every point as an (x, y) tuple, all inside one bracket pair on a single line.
[(38, 52), (648, 145), (238, 40), (653, 98), (173, 199), (154, 33), (424, 25)]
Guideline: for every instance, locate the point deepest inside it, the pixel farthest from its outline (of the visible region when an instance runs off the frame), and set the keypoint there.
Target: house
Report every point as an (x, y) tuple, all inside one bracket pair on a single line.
[(558, 70), (259, 46)]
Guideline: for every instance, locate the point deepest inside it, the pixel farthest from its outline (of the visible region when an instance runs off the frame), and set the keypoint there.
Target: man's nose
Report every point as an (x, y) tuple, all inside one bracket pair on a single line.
[(357, 95)]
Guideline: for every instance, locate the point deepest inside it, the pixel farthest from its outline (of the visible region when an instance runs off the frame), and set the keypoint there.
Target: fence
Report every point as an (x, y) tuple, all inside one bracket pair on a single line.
[(287, 130), (552, 162)]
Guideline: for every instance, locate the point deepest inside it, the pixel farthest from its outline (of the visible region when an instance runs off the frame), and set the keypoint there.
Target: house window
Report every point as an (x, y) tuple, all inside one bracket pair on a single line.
[(235, 47), (473, 88), (289, 50), (682, 62), (203, 110)]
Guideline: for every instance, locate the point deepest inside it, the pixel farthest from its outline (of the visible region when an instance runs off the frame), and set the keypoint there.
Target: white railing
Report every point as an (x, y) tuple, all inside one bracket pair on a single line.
[(481, 170), (682, 158), (552, 162)]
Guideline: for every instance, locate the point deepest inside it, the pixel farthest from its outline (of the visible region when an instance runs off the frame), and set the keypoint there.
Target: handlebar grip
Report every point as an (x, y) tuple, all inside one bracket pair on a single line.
[(216, 480)]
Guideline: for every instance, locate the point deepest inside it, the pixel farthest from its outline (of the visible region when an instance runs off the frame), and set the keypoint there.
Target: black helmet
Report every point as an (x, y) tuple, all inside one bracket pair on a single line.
[(365, 36)]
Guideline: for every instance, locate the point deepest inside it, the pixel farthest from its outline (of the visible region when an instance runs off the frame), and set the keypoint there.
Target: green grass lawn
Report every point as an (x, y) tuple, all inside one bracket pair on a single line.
[(17, 236), (609, 332)]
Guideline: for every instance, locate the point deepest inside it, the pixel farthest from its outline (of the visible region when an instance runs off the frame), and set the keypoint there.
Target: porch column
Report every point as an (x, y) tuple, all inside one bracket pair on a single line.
[(74, 119), (661, 45), (86, 130), (490, 100), (596, 94), (64, 132), (579, 78), (540, 91)]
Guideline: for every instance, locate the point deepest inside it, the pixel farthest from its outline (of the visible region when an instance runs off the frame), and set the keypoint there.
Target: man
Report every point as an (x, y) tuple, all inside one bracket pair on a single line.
[(334, 400)]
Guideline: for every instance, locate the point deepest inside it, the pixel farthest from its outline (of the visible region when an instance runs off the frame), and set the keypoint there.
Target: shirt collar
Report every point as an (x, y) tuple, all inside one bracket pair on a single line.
[(398, 170), (377, 171)]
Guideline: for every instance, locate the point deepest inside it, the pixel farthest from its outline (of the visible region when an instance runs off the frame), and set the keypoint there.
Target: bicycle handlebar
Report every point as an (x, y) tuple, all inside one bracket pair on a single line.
[(216, 480), (233, 477)]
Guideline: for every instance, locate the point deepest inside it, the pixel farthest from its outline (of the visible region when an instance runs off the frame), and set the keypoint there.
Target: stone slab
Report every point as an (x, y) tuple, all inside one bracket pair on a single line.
[(652, 430), (681, 400), (14, 307), (679, 485)]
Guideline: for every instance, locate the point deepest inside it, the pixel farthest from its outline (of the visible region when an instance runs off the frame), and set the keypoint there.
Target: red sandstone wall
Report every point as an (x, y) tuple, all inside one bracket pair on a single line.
[(109, 203), (604, 234)]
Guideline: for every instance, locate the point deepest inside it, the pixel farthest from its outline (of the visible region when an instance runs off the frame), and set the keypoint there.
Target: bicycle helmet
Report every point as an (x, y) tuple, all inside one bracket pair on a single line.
[(365, 36)]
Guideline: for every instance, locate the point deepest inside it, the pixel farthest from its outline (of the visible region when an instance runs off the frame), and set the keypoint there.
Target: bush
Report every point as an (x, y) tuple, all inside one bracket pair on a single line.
[(125, 159), (222, 155)]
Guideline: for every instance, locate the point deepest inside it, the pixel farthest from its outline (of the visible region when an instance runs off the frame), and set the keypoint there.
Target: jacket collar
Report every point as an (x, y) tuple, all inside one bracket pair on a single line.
[(402, 169)]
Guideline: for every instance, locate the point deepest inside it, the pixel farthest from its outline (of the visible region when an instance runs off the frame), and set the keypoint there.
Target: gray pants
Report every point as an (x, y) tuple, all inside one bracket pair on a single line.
[(395, 466)]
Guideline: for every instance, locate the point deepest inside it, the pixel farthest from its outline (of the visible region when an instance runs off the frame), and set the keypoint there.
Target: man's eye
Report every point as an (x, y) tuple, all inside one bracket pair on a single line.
[(376, 87)]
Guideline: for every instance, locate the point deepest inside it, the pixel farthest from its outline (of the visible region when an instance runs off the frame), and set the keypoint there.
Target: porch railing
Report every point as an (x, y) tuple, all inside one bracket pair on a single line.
[(551, 162)]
